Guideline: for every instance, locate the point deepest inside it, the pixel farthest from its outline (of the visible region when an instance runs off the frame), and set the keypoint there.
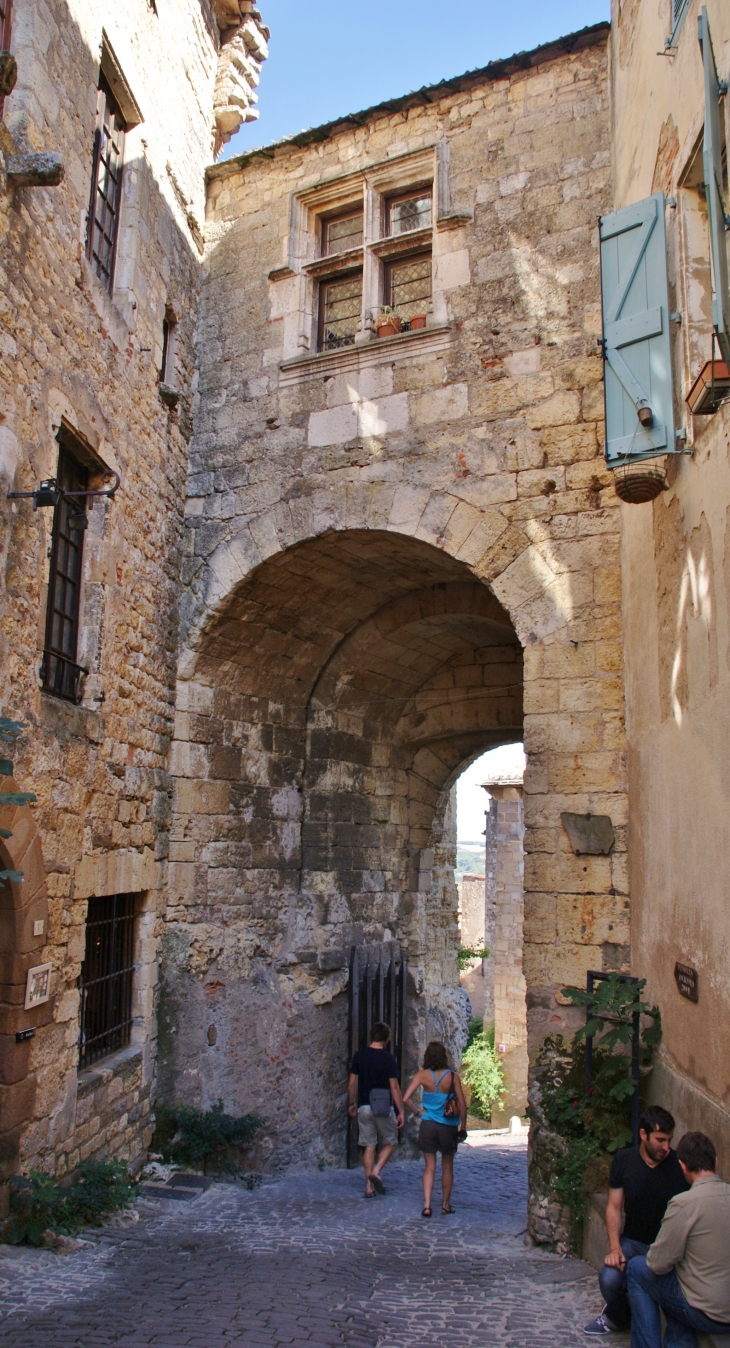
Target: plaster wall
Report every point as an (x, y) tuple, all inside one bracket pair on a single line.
[(676, 573)]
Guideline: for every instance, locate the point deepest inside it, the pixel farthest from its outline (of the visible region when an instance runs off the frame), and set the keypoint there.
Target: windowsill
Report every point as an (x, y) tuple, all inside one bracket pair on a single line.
[(106, 1068), (334, 263), (404, 346), (413, 241)]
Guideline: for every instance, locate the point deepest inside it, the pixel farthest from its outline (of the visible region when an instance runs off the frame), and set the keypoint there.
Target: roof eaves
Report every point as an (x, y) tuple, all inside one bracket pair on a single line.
[(430, 93)]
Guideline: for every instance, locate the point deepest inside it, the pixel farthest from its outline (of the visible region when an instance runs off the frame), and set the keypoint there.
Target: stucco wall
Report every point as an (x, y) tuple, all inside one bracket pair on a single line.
[(676, 573)]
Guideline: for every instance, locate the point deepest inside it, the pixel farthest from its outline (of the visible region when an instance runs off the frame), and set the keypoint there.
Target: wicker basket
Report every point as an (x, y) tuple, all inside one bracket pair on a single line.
[(637, 483)]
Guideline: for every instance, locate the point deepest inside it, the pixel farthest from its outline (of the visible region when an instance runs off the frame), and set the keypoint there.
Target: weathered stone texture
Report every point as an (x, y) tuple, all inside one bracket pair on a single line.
[(349, 513)]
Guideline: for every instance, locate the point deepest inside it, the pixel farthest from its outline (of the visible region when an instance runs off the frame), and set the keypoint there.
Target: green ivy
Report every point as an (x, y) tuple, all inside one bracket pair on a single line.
[(39, 1203), (594, 1124), (203, 1138)]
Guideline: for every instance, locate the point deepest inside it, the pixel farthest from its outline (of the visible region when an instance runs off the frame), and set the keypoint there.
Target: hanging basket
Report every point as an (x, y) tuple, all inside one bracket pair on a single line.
[(637, 483)]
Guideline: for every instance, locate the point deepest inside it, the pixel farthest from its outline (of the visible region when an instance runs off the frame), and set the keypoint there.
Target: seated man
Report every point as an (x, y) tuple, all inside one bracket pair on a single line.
[(687, 1270), (642, 1180)]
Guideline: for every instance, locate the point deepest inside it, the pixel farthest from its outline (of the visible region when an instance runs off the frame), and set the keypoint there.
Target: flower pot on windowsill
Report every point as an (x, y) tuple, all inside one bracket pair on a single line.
[(418, 321), (388, 327)]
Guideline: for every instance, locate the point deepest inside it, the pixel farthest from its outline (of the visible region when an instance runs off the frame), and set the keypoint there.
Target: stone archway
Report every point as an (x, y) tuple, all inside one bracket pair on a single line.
[(23, 933)]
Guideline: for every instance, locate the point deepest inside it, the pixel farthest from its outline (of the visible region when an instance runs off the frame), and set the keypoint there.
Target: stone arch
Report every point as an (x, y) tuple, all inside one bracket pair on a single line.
[(23, 905), (325, 704)]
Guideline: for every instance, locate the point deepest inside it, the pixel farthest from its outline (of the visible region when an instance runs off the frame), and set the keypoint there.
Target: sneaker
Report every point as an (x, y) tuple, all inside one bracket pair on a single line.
[(600, 1326)]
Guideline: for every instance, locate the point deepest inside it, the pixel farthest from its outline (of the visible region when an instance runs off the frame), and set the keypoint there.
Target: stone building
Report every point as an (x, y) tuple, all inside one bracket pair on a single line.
[(507, 971), (105, 138), (671, 129), (401, 549)]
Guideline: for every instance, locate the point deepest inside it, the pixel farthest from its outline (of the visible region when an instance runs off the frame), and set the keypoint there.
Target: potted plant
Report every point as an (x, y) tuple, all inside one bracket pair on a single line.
[(418, 321), (388, 323)]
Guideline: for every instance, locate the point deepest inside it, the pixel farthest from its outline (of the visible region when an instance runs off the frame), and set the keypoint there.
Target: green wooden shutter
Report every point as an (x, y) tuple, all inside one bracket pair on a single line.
[(636, 333), (712, 157)]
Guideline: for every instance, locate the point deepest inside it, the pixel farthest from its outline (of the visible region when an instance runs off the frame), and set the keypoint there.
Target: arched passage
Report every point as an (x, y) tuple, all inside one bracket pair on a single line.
[(329, 705)]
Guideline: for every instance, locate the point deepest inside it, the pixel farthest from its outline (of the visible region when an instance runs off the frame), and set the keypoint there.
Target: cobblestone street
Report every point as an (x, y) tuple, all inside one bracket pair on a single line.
[(306, 1260)]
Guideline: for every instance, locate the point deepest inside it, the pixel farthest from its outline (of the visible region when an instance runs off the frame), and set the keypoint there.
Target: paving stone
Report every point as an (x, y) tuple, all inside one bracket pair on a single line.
[(305, 1261)]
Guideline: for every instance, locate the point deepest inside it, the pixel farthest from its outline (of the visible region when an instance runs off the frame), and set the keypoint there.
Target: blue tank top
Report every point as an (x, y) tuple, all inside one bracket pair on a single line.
[(434, 1101)]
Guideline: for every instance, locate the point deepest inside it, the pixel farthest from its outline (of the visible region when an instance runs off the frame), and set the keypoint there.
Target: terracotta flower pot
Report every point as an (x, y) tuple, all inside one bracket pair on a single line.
[(388, 327), (418, 321)]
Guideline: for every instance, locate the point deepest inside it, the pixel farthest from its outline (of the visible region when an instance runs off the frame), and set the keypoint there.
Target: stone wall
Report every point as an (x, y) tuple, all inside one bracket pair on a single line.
[(398, 554), (476, 931), (72, 354)]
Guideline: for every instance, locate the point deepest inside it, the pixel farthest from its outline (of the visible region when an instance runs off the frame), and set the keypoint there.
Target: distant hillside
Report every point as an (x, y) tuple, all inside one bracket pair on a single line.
[(469, 859)]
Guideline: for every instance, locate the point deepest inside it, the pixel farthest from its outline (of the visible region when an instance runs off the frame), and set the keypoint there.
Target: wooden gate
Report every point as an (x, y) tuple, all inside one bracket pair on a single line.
[(377, 991)]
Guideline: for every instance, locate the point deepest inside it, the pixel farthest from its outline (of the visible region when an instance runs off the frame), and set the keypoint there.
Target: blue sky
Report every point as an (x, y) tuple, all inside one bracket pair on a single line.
[(330, 57)]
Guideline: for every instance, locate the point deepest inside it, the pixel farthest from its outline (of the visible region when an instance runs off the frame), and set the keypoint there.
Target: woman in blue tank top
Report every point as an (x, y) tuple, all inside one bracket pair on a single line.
[(440, 1129)]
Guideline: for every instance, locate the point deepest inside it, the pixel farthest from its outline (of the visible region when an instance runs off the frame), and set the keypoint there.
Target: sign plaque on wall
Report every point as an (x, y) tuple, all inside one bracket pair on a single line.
[(38, 985), (688, 981)]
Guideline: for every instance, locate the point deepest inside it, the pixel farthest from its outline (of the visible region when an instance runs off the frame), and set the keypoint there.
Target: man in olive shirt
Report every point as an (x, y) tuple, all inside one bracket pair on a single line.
[(687, 1270), (641, 1183)]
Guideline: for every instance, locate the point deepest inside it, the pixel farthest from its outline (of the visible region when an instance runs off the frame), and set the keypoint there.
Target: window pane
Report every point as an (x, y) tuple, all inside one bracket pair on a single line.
[(105, 201), (339, 235), (410, 213), (106, 978), (61, 673), (341, 307), (409, 289)]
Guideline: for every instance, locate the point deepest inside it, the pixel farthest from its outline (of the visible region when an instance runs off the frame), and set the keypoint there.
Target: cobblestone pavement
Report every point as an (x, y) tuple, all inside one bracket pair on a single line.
[(306, 1261)]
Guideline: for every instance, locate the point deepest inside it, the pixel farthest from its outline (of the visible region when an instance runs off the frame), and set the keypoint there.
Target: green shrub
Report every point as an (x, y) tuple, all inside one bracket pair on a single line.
[(466, 953), (482, 1070), (203, 1138), (39, 1203)]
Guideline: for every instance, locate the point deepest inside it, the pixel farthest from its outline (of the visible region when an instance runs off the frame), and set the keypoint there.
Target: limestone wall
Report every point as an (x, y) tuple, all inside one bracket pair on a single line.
[(398, 554), (676, 570), (72, 352)]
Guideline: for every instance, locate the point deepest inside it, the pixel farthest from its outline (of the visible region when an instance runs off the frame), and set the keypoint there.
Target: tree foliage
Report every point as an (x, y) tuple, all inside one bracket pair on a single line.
[(482, 1070)]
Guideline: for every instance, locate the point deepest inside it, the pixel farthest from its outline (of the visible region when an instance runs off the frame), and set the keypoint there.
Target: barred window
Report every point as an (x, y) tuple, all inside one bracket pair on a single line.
[(410, 212), (340, 306), (408, 285), (106, 978), (341, 233), (59, 672), (106, 186)]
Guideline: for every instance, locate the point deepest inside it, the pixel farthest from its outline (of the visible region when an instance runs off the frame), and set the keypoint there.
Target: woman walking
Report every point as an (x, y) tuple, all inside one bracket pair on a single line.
[(443, 1124)]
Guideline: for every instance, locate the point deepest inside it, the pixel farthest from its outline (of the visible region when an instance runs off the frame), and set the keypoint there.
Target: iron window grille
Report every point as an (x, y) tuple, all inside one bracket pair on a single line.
[(106, 978), (342, 233), (408, 285), (408, 213), (340, 307), (106, 186), (60, 673)]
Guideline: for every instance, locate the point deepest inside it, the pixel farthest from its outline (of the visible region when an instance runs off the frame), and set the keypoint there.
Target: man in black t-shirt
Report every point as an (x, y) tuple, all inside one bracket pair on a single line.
[(642, 1181), (373, 1073)]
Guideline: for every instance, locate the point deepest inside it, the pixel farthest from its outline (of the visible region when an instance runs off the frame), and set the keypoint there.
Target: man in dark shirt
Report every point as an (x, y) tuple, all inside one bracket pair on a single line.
[(642, 1181), (374, 1069)]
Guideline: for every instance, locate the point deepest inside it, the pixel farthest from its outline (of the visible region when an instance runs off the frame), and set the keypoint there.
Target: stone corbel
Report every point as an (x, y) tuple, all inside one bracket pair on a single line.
[(34, 170), (244, 48)]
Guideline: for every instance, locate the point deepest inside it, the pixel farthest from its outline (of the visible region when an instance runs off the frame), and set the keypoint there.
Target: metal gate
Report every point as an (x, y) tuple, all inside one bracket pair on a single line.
[(377, 991)]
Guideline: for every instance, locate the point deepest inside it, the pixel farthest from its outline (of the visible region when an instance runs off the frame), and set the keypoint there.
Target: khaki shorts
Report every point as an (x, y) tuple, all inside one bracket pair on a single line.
[(376, 1129)]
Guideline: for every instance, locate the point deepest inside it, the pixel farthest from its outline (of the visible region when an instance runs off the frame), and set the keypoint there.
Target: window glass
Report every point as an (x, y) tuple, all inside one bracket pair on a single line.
[(61, 674), (408, 213), (340, 308), (343, 233), (106, 187), (106, 977), (409, 285)]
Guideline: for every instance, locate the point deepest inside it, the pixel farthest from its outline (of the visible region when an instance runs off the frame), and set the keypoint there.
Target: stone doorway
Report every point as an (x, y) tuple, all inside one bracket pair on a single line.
[(325, 714)]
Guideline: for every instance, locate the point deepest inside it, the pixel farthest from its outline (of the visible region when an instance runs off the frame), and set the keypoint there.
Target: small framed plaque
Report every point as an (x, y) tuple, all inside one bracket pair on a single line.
[(688, 981), (38, 985)]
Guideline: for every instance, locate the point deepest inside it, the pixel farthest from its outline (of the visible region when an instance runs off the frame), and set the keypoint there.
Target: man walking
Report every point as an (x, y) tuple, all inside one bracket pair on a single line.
[(687, 1270), (643, 1179), (374, 1077)]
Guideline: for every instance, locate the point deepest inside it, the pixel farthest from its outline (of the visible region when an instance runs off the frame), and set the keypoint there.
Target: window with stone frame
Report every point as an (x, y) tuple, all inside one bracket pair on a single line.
[(106, 186), (408, 285), (106, 979), (60, 673), (340, 309), (408, 212), (342, 232)]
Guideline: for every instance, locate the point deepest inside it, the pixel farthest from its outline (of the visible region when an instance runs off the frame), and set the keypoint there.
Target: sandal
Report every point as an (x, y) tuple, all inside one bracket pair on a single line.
[(377, 1183), (370, 1194), (445, 1212), (426, 1212)]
